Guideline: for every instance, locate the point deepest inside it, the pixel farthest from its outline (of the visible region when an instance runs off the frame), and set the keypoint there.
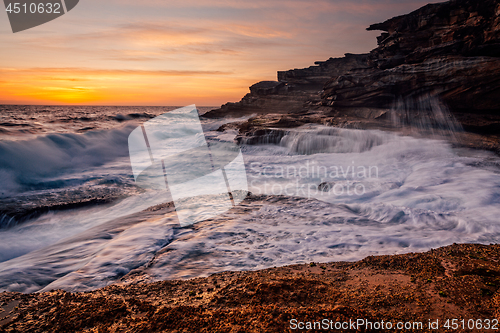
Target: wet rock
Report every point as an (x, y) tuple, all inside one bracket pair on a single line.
[(457, 281), (295, 92), (325, 187), (448, 51)]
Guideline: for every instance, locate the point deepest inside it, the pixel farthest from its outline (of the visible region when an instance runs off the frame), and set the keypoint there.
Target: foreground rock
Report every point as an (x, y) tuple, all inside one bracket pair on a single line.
[(458, 281)]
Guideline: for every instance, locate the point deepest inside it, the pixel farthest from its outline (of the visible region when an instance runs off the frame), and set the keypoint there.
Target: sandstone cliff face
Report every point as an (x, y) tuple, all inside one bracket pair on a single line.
[(449, 51), (314, 78), (458, 27), (295, 89), (469, 83)]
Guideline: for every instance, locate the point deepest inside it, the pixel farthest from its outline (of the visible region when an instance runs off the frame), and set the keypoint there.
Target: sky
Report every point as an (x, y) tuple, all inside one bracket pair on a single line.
[(179, 52)]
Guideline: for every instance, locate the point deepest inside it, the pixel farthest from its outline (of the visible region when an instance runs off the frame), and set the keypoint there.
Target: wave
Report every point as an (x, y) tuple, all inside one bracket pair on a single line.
[(26, 164)]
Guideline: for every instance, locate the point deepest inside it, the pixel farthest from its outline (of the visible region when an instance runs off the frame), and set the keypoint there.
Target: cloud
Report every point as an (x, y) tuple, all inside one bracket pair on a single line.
[(160, 41), (258, 4), (54, 78), (132, 58), (303, 8), (114, 72)]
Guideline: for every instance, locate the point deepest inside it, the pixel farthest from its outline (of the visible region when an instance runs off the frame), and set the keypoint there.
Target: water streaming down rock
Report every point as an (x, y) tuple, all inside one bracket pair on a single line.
[(427, 116), (7, 221), (316, 139), (423, 115), (332, 140), (264, 137)]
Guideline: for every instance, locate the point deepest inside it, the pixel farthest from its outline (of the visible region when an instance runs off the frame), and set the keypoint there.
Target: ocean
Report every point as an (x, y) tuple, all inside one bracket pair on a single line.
[(72, 217)]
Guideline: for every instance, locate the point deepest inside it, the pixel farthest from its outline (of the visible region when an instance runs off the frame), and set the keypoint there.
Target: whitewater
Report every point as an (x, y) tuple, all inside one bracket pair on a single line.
[(318, 194)]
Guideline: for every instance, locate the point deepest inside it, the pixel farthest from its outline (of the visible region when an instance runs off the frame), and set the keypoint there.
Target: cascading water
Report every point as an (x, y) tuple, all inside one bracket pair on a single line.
[(427, 116), (423, 116), (309, 140), (331, 140)]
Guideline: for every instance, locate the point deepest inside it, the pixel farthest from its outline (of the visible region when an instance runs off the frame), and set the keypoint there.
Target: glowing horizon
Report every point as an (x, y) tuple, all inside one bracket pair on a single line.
[(180, 52)]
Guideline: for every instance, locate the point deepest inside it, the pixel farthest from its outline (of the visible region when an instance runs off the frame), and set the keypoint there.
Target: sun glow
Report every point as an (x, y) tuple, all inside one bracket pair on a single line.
[(107, 87)]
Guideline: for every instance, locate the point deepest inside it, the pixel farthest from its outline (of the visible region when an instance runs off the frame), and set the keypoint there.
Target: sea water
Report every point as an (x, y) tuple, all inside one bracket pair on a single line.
[(317, 194)]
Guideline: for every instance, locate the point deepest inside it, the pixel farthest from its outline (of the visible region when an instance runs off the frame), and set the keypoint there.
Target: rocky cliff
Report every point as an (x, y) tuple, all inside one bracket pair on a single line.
[(295, 89), (449, 51)]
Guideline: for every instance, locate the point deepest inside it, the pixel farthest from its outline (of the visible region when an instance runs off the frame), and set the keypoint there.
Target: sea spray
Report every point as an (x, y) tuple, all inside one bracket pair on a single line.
[(425, 115)]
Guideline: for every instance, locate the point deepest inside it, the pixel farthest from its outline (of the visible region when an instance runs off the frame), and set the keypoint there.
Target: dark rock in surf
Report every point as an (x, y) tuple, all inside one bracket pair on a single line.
[(325, 187)]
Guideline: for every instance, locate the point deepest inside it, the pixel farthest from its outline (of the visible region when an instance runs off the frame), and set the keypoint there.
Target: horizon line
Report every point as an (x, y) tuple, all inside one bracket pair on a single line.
[(177, 106)]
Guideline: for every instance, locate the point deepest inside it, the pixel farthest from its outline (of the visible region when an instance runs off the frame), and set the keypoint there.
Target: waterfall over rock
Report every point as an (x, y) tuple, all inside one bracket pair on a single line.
[(425, 115)]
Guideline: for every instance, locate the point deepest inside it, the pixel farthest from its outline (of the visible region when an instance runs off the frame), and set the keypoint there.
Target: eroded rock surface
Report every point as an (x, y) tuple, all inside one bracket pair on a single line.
[(448, 51)]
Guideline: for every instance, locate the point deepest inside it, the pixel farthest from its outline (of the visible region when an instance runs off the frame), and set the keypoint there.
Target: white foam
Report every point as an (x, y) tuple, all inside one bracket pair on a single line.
[(424, 194)]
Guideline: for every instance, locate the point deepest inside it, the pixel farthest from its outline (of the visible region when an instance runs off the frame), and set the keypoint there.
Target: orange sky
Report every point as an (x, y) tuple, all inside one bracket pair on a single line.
[(153, 52)]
